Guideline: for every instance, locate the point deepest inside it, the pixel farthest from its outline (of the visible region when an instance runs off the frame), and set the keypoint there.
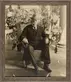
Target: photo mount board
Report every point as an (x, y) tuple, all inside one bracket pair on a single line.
[(2, 39)]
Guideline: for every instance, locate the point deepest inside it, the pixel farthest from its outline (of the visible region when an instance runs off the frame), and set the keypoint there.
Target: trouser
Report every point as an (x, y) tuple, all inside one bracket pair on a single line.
[(32, 57), (45, 54), (29, 54)]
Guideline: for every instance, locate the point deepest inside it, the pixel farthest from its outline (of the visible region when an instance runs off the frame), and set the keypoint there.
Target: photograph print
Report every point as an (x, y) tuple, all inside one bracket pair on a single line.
[(35, 40)]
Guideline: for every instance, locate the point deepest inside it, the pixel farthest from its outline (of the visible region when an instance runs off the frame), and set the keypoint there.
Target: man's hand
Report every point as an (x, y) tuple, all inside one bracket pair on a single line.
[(46, 40), (25, 40)]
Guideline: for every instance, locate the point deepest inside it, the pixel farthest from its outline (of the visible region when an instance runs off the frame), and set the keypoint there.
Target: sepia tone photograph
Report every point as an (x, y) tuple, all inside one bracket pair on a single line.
[(35, 40)]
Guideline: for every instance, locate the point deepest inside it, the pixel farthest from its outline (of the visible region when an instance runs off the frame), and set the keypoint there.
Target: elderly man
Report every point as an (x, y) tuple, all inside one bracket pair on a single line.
[(34, 37)]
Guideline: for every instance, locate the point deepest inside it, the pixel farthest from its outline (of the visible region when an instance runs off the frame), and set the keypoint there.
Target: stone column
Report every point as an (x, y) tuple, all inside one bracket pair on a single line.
[(63, 24)]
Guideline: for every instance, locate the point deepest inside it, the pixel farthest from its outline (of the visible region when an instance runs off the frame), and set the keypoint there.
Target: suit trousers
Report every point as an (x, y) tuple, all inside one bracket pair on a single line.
[(29, 54)]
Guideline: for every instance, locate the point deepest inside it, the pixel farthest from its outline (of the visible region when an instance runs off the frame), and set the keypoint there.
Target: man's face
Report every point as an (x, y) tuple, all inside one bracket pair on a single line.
[(33, 23)]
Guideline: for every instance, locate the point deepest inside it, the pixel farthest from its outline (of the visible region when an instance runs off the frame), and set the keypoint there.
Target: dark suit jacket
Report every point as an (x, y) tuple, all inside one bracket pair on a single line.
[(34, 36)]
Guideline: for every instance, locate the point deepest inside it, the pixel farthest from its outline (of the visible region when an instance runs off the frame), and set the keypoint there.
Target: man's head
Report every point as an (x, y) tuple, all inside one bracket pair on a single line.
[(33, 19)]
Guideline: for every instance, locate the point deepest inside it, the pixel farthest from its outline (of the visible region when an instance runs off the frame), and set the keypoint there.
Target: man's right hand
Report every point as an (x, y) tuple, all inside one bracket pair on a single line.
[(25, 40)]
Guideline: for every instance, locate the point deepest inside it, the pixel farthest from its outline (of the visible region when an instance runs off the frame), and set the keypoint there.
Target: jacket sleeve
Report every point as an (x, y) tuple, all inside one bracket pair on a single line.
[(43, 33), (23, 34)]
